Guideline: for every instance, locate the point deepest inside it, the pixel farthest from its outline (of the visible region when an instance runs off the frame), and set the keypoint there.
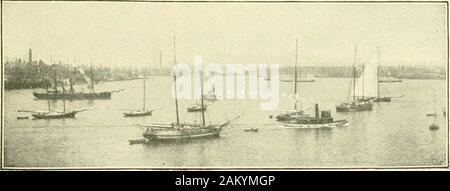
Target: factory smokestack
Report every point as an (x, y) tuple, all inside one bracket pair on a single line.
[(30, 56), (317, 110)]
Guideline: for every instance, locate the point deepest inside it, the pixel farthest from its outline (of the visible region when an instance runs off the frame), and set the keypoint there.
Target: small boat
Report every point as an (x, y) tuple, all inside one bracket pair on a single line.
[(434, 126), (251, 130), (355, 106), (137, 141), (138, 113), (211, 96), (196, 108), (389, 80), (290, 115), (54, 115), (22, 117)]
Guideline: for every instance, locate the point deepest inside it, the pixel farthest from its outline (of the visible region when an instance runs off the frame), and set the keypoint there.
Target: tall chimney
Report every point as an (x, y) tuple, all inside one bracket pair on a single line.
[(317, 110), (30, 56)]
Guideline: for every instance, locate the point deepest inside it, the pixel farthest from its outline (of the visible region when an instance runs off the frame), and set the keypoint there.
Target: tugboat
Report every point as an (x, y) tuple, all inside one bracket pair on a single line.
[(356, 105), (316, 122), (287, 115), (183, 131)]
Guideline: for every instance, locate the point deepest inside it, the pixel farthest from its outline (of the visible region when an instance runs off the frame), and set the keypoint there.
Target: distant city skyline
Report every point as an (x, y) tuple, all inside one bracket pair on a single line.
[(134, 34)]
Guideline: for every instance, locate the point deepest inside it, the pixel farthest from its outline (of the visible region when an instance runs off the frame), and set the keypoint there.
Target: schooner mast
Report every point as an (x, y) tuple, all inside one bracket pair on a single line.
[(175, 81)]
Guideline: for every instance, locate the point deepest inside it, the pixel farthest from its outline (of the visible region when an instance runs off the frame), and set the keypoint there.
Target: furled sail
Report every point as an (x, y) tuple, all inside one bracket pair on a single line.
[(367, 83)]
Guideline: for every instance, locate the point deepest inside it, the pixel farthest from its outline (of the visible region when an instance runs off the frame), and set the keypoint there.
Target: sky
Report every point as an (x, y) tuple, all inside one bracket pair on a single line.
[(133, 34)]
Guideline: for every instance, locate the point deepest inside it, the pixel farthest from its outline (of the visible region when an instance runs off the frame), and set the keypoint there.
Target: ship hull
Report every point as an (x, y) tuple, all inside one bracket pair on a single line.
[(138, 114), (74, 96), (324, 125), (375, 99), (182, 132), (181, 135), (54, 116), (354, 107)]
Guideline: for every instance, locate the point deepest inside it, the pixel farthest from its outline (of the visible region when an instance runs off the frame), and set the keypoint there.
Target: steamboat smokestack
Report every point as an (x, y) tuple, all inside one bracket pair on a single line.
[(317, 110), (30, 56)]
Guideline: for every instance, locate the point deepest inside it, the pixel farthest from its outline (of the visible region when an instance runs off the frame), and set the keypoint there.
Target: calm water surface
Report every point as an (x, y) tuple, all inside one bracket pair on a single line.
[(393, 134)]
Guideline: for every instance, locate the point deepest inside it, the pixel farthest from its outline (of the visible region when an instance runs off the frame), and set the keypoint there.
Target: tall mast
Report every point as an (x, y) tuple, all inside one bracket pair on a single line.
[(144, 91), (175, 80), (70, 79), (295, 78), (354, 75), (378, 71), (201, 93), (92, 78), (363, 68), (63, 96)]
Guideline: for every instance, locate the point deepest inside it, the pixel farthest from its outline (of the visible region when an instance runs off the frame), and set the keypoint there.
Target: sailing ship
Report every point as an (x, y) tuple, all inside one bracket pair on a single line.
[(55, 114), (372, 84), (211, 95), (361, 104), (298, 111), (72, 95), (143, 111), (317, 122), (183, 131)]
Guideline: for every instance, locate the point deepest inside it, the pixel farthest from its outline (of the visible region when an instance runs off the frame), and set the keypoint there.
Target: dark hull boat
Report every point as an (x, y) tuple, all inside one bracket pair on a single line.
[(138, 113), (74, 96), (196, 108), (316, 122), (182, 132), (287, 116), (251, 130), (434, 126), (54, 115), (375, 99), (354, 106)]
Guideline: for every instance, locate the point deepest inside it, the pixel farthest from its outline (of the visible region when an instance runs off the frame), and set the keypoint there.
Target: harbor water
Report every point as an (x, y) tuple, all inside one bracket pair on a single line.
[(394, 134)]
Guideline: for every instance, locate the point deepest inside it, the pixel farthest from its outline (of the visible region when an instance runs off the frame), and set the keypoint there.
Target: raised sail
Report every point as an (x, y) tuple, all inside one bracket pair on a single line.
[(367, 84)]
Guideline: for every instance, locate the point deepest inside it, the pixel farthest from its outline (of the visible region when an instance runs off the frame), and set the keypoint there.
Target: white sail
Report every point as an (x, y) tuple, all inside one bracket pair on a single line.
[(367, 83)]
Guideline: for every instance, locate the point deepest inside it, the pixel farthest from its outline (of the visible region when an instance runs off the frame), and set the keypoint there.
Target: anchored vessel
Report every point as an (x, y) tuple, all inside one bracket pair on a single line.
[(372, 81), (54, 114), (196, 107), (72, 95), (356, 105), (183, 131), (298, 111), (140, 112), (316, 122)]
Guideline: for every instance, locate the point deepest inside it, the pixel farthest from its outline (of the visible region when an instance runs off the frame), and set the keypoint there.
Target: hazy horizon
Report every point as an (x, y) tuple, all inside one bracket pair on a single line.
[(133, 34)]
